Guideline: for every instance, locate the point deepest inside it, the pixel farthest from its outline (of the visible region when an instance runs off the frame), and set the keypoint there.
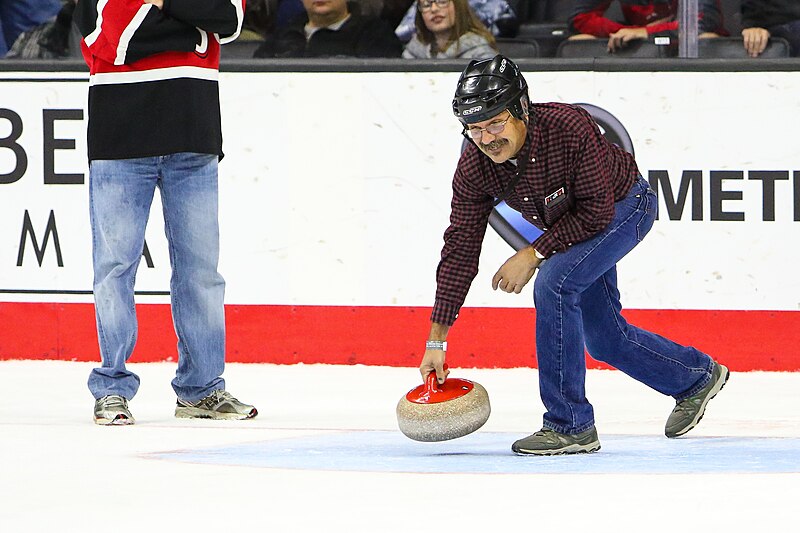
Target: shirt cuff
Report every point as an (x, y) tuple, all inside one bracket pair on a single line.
[(547, 244), (445, 312)]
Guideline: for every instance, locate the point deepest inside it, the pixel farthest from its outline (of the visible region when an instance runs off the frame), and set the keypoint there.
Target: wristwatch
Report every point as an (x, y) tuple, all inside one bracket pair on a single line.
[(539, 256), (436, 345)]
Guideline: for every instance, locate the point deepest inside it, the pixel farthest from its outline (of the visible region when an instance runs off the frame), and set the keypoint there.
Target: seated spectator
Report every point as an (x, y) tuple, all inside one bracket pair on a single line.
[(449, 29), (762, 19), (332, 28), (496, 15), (285, 11), (19, 16), (643, 18)]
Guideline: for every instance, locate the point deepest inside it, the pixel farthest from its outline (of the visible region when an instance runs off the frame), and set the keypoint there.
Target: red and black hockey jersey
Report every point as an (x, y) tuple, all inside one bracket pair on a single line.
[(153, 74)]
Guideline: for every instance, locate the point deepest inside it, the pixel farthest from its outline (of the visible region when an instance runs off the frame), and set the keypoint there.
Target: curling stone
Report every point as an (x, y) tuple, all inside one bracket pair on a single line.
[(433, 412)]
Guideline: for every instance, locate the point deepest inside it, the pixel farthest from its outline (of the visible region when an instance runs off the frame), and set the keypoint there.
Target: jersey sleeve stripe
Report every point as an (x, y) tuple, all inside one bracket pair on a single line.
[(130, 30)]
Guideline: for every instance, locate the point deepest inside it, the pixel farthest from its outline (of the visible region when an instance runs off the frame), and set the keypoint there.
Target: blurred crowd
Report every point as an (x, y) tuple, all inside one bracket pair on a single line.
[(469, 29)]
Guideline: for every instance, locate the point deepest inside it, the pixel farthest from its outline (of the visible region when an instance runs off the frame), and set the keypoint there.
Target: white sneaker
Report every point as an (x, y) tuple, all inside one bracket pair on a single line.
[(219, 405), (112, 410)]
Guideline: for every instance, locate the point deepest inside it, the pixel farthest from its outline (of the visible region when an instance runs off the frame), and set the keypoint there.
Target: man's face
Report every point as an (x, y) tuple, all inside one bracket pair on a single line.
[(325, 7), (504, 144)]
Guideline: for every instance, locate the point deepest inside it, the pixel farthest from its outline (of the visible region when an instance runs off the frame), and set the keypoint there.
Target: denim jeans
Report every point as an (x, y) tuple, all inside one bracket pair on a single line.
[(120, 195), (577, 306)]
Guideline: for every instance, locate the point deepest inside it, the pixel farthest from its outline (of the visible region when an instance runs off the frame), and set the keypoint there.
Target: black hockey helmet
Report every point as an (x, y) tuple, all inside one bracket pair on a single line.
[(489, 86)]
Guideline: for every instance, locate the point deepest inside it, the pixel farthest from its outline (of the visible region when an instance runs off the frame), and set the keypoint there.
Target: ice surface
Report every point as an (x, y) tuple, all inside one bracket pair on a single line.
[(324, 455)]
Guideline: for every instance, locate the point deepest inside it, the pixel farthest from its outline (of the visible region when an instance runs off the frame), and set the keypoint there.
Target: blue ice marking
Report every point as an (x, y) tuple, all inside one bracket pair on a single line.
[(490, 453)]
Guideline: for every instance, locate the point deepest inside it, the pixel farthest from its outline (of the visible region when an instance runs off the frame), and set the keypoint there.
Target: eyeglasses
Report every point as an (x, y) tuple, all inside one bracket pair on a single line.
[(426, 5), (494, 128)]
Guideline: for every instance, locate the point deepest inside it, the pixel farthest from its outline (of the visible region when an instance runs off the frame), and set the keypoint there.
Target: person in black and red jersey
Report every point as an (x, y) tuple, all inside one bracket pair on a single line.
[(154, 122), (643, 18), (550, 162)]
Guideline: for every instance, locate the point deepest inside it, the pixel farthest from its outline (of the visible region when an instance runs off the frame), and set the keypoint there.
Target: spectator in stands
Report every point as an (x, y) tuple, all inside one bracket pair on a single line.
[(286, 10), (332, 28), (496, 15), (762, 19), (449, 29), (643, 18), (19, 16)]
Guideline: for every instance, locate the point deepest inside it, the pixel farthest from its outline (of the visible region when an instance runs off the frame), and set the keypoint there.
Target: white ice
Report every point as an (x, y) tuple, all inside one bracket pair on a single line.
[(61, 473)]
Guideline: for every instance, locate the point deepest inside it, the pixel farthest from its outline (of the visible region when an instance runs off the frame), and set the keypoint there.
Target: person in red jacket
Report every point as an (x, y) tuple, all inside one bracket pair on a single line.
[(154, 123), (643, 18)]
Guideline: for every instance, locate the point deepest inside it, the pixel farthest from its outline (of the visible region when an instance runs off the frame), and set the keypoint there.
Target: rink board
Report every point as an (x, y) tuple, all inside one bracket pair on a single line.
[(484, 338), (332, 220)]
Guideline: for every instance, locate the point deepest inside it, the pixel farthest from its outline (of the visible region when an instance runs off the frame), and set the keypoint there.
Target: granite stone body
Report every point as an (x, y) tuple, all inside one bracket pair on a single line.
[(433, 422)]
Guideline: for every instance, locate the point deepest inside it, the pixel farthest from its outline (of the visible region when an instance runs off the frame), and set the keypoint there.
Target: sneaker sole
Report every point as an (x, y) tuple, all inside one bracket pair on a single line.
[(193, 412), (572, 449), (723, 379), (118, 421)]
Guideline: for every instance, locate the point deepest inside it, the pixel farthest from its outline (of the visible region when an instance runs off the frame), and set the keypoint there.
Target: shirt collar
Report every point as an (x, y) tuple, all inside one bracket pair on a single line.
[(309, 29)]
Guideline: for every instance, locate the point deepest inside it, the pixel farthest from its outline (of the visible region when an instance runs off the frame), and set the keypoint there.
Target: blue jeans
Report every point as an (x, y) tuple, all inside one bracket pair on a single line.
[(577, 306), (120, 194)]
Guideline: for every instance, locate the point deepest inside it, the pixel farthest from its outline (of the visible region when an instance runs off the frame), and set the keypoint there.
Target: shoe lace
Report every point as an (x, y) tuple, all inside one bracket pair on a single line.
[(687, 405), (547, 434), (216, 398), (221, 395), (115, 401)]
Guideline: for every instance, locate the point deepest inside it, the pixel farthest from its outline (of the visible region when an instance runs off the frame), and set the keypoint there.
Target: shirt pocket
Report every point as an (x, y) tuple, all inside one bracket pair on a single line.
[(556, 204)]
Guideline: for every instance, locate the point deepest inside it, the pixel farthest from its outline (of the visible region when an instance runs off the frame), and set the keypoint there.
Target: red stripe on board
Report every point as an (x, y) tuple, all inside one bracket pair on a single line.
[(393, 336)]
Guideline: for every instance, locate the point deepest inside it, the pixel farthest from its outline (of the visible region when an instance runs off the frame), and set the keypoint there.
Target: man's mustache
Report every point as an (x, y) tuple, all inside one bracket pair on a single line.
[(494, 145)]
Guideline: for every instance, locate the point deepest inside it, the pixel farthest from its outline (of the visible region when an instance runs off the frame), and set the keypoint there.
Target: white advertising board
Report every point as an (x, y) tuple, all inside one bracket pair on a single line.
[(335, 188)]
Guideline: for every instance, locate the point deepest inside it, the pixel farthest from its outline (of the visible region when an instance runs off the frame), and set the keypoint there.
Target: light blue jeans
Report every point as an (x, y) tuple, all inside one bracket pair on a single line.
[(120, 195), (578, 305)]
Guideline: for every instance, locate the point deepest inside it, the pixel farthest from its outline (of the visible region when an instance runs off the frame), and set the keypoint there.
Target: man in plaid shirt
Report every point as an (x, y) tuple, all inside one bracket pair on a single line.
[(551, 163)]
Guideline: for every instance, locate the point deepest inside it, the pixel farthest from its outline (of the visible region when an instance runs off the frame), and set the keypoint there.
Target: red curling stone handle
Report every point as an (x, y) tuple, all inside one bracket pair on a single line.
[(432, 392)]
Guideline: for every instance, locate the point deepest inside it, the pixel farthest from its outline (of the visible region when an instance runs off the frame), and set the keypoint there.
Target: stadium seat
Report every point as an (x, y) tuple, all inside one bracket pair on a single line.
[(583, 48), (551, 10), (517, 48), (548, 35), (733, 48), (239, 49)]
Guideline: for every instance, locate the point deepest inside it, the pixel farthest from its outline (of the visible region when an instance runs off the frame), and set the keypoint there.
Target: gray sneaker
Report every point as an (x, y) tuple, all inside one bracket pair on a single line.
[(688, 412), (219, 405), (549, 442), (112, 410)]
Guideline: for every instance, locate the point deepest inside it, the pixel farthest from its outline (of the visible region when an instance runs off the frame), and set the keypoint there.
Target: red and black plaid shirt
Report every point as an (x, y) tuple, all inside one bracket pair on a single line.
[(573, 177)]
